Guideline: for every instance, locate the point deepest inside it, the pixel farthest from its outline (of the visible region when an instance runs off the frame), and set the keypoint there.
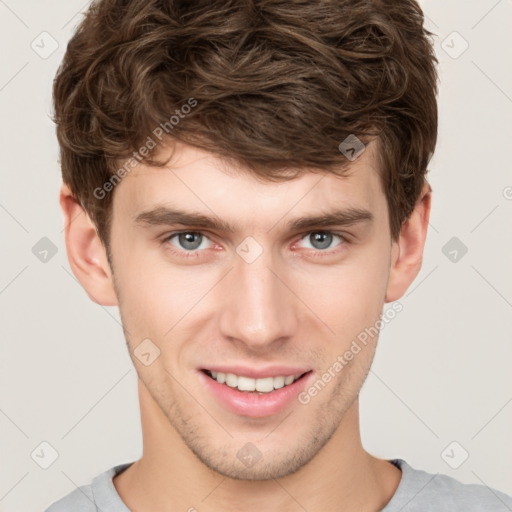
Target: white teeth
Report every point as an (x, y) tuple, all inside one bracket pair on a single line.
[(288, 380), (264, 385), (246, 384), (279, 382), (231, 380)]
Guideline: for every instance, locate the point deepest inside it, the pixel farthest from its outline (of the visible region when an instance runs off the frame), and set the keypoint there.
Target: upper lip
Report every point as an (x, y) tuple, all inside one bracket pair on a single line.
[(259, 373)]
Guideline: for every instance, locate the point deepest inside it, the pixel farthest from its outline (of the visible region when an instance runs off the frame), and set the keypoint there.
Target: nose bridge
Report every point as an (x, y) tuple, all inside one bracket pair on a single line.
[(258, 308)]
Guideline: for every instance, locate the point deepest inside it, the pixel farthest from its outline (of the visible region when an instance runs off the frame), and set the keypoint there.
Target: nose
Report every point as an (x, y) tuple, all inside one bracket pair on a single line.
[(258, 307)]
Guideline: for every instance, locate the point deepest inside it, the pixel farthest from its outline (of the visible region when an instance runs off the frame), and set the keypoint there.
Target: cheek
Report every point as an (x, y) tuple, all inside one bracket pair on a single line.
[(148, 293), (154, 297), (157, 300), (348, 297)]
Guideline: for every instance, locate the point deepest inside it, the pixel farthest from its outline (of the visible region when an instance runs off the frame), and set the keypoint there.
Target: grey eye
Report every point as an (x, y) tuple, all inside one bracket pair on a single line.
[(190, 240), (320, 239)]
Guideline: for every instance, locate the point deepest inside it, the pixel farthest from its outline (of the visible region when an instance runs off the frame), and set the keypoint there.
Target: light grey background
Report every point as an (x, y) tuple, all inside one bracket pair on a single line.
[(442, 370)]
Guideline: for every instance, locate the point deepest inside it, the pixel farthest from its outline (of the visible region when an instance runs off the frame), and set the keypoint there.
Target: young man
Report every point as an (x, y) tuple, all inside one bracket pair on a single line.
[(246, 181)]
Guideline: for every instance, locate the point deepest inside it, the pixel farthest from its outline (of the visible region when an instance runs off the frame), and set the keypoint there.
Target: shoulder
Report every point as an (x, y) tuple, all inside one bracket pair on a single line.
[(79, 500), (420, 491), (99, 495)]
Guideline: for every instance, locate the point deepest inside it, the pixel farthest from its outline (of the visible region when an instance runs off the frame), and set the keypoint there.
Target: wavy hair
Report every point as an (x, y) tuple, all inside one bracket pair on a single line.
[(278, 85)]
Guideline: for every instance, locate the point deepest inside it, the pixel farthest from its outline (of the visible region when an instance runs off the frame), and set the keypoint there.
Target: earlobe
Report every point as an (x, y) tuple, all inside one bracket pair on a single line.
[(86, 253), (407, 252)]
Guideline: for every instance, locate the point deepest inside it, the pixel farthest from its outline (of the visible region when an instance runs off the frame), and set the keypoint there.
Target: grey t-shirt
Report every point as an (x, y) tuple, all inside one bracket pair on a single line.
[(418, 491)]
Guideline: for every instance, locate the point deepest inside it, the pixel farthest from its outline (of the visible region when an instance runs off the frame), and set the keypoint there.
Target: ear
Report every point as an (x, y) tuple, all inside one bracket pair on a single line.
[(86, 253), (407, 251)]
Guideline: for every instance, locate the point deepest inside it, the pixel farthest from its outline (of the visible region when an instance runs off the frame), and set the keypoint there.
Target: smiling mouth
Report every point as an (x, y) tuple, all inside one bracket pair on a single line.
[(251, 385)]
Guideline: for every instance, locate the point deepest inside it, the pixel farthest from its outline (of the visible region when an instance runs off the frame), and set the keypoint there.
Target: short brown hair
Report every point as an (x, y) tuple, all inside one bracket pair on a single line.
[(277, 85)]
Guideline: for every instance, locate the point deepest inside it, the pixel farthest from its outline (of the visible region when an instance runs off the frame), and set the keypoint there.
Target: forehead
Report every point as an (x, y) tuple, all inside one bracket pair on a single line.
[(198, 180)]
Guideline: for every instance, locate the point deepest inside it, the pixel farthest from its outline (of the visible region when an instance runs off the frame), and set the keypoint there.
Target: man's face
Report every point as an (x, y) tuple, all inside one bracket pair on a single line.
[(262, 296)]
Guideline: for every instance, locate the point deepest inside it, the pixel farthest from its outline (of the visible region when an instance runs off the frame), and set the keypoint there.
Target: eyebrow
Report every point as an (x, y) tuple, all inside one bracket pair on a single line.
[(161, 216)]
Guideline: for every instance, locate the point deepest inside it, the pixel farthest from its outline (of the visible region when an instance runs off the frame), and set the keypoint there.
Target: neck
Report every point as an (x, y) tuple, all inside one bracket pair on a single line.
[(342, 476)]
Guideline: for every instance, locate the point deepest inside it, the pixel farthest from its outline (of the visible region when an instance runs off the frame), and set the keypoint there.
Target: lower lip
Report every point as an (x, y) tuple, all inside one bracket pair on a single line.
[(254, 405)]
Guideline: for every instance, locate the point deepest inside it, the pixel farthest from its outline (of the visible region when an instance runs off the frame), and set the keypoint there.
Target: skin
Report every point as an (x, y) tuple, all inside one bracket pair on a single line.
[(286, 307)]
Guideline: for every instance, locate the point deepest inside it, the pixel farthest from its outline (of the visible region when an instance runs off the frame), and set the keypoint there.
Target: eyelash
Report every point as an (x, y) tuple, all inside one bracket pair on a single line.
[(196, 253)]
